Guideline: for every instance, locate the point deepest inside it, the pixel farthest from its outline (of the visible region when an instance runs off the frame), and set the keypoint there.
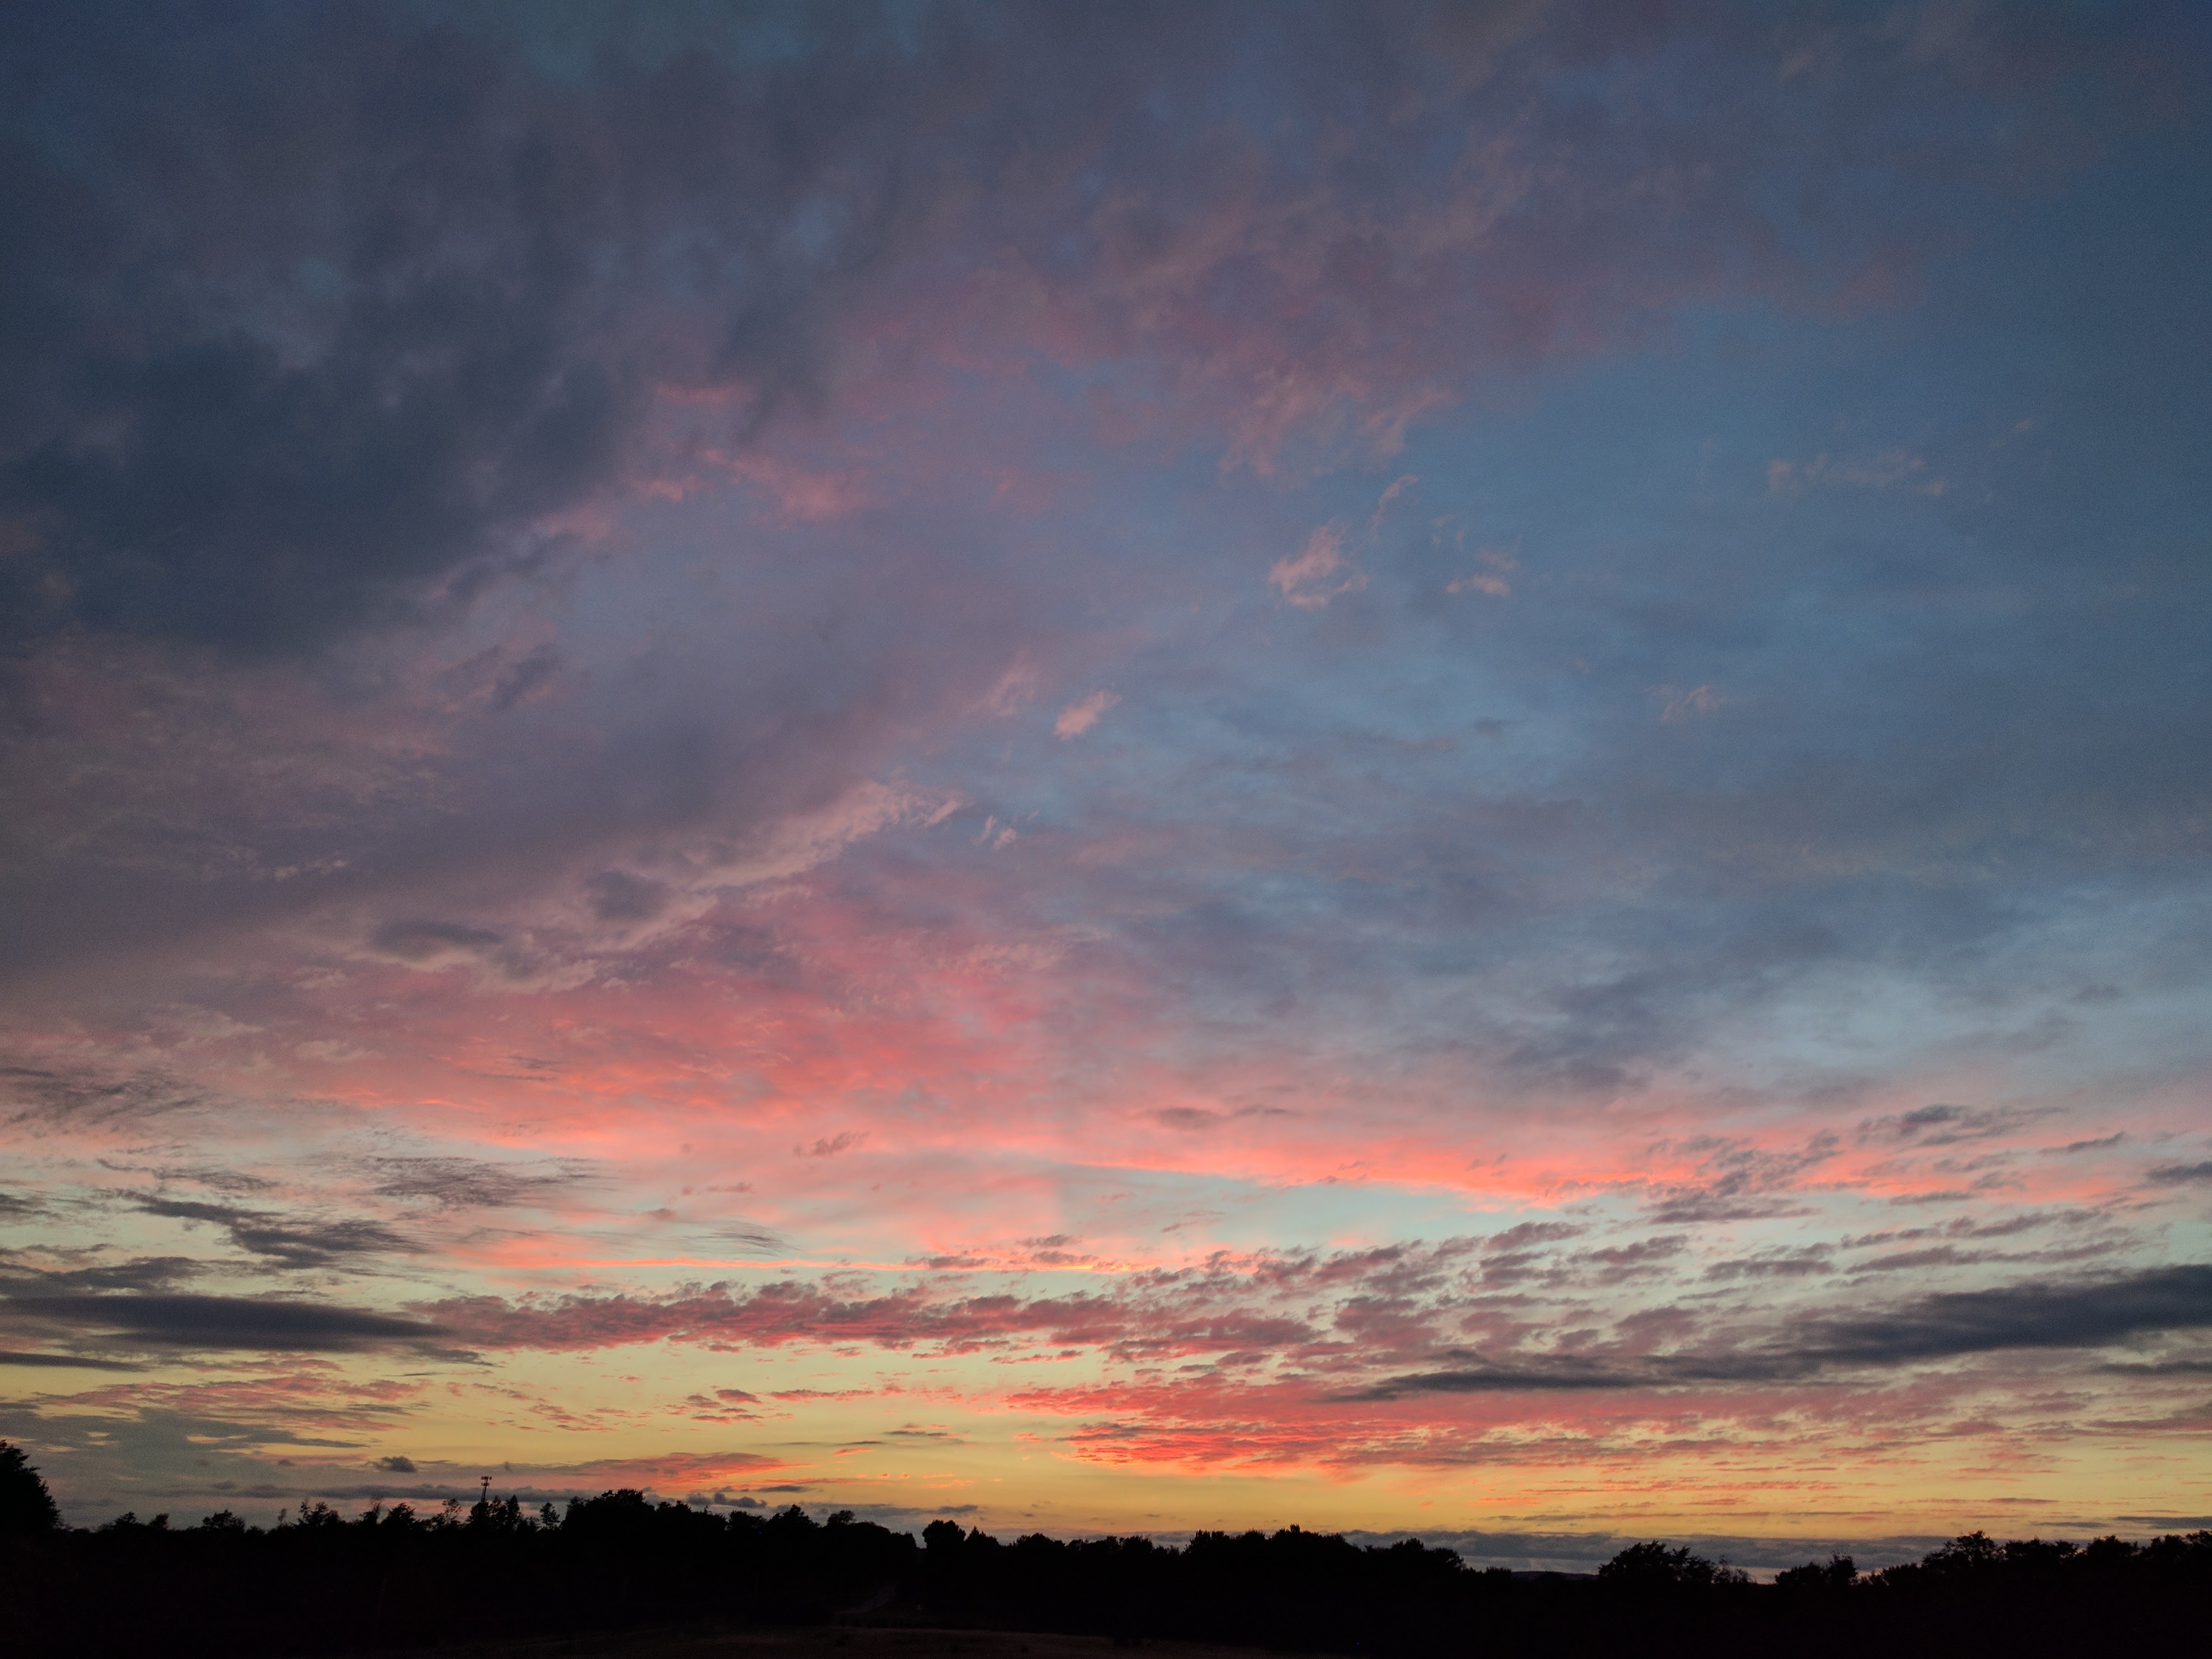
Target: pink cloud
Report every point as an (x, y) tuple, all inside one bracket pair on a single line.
[(1318, 572), (1079, 716)]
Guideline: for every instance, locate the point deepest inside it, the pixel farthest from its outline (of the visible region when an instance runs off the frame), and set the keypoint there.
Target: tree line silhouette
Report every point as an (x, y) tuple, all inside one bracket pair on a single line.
[(320, 1581)]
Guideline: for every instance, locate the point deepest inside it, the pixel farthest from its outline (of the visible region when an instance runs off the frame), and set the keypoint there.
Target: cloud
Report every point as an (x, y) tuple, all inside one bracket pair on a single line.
[(501, 586), (1318, 572), (151, 1323), (2028, 1316), (143, 1273), (64, 1361), (1270, 1312), (429, 941), (1892, 469), (461, 1183), (805, 840), (1499, 563), (1497, 587), (84, 1097), (617, 895), (1789, 1263), (1079, 716), (1946, 1325), (1676, 704), (284, 1242), (2178, 1175), (1019, 685), (340, 391), (529, 679), (2102, 1143), (304, 396)]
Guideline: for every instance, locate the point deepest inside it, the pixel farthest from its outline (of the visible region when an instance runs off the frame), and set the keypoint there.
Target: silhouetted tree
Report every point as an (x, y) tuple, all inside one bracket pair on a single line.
[(1653, 1566), (1840, 1573), (25, 1506), (321, 1581)]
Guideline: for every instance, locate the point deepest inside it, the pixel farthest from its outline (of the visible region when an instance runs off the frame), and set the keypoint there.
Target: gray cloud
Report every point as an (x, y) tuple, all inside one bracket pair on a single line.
[(223, 1180), (467, 1183), (526, 677), (2179, 1174), (2101, 1143), (260, 480), (315, 308), (1794, 1263), (418, 941), (285, 1243), (153, 1322), (1945, 1326), (144, 1273), (617, 895), (2029, 1316), (88, 1097), (73, 1362)]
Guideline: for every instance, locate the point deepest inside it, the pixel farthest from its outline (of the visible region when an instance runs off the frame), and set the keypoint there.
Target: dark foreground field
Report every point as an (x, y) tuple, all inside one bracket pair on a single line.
[(817, 1642), (620, 1576)]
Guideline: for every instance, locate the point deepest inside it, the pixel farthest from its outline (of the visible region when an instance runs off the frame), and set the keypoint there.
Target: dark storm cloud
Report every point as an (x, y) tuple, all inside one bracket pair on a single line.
[(283, 1241), (310, 308), (191, 470), (152, 1323), (310, 305)]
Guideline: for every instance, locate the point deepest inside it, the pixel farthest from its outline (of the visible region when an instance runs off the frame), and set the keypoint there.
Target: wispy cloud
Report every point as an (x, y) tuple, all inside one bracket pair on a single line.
[(1086, 712)]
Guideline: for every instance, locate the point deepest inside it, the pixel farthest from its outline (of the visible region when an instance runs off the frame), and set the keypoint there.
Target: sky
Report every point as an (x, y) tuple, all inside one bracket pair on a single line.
[(1427, 769)]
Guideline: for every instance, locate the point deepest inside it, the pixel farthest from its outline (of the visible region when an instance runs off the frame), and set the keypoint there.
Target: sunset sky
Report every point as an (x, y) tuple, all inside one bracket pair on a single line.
[(1420, 769)]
